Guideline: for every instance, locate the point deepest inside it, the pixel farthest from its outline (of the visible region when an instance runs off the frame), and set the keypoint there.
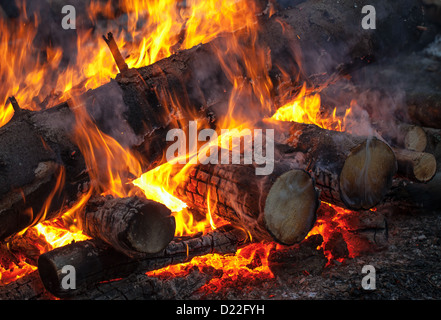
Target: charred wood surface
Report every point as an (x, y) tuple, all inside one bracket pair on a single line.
[(296, 260), (412, 197), (144, 287), (94, 261), (277, 207), (133, 226)]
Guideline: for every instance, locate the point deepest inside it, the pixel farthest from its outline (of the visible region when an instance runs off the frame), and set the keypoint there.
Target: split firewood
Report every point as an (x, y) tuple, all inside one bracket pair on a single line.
[(416, 166), (94, 261), (352, 172), (140, 117), (133, 226)]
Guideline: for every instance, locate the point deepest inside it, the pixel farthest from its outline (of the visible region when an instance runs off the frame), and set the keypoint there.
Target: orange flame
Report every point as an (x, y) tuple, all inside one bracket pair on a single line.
[(306, 108)]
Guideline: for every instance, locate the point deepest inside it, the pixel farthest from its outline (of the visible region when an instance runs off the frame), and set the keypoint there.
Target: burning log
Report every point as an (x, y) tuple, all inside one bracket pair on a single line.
[(133, 226), (279, 207), (351, 233), (416, 166), (144, 287), (365, 231), (29, 287), (95, 262), (352, 172), (143, 118)]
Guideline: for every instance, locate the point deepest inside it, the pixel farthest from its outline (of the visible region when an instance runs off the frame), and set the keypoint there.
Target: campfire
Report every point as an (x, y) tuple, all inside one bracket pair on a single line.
[(178, 149)]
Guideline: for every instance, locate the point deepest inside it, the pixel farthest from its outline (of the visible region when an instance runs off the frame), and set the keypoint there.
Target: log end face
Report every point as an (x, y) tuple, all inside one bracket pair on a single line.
[(153, 230), (49, 275), (367, 174), (415, 139), (290, 207), (425, 167)]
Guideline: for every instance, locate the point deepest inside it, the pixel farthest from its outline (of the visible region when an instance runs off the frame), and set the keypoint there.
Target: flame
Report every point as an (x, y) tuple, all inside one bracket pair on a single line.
[(306, 108), (110, 166), (250, 262)]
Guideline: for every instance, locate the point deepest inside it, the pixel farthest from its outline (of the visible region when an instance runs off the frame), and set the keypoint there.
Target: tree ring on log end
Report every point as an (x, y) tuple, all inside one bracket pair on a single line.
[(425, 167), (290, 207), (367, 174)]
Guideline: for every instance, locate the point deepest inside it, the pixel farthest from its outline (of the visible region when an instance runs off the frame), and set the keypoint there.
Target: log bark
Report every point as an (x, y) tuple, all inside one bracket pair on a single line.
[(278, 207), (29, 287), (140, 115), (412, 197), (420, 105), (95, 262), (133, 226), (144, 287), (352, 172), (416, 166)]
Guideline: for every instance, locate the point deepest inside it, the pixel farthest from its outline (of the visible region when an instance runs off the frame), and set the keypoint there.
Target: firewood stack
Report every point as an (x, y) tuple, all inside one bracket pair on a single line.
[(134, 235)]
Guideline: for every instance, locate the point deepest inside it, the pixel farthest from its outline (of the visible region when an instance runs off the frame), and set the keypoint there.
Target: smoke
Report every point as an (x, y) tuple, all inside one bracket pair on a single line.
[(107, 108)]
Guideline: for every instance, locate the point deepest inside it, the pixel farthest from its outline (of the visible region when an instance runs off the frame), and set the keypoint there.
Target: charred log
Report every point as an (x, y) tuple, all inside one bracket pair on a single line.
[(133, 226), (144, 287), (95, 262), (412, 197)]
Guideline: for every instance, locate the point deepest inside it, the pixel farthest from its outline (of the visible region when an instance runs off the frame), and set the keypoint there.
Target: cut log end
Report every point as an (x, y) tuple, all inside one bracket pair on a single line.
[(416, 166), (131, 225), (415, 139), (290, 207), (144, 236), (367, 174)]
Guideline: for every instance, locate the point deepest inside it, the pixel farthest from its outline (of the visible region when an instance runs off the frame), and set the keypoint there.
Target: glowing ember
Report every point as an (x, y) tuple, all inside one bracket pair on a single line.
[(250, 262)]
